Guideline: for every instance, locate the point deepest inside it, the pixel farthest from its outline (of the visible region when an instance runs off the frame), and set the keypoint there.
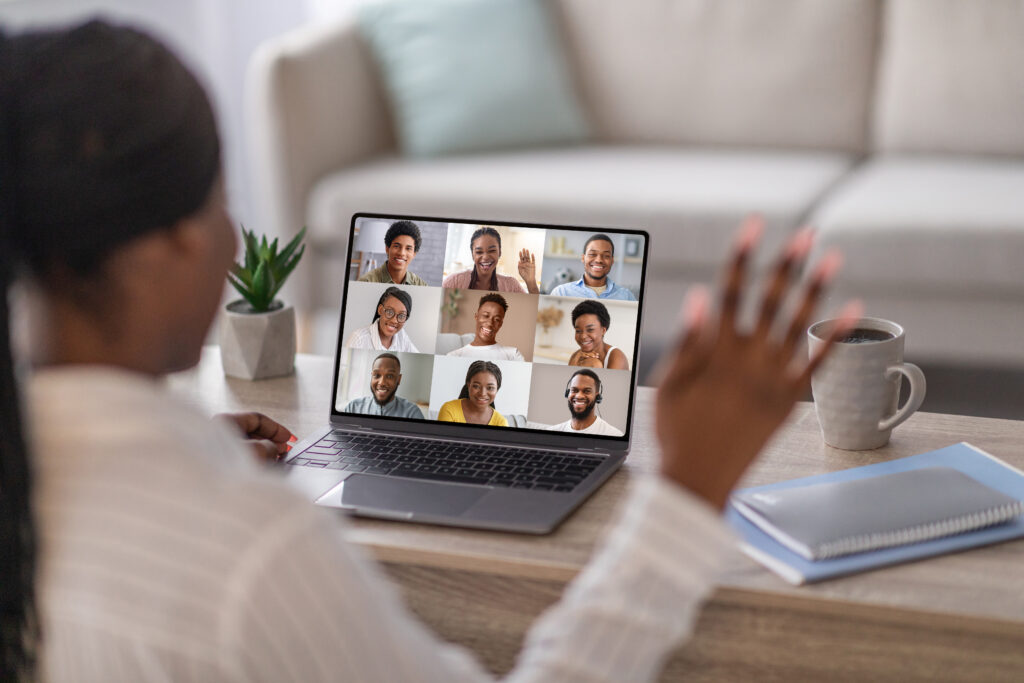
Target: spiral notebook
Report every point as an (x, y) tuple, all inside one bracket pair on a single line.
[(833, 519), (979, 466)]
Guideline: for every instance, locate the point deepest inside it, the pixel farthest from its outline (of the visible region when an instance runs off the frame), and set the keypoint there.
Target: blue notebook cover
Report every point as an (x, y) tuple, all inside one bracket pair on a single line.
[(962, 456)]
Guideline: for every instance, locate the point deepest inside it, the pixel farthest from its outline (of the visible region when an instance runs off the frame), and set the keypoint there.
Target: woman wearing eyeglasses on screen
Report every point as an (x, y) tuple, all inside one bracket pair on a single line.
[(385, 333)]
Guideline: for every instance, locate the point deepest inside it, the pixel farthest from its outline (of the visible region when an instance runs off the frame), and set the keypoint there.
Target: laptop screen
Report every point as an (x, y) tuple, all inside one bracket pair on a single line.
[(491, 325)]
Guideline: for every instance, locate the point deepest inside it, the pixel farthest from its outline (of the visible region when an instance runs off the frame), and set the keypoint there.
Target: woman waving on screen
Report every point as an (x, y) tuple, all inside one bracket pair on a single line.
[(485, 246)]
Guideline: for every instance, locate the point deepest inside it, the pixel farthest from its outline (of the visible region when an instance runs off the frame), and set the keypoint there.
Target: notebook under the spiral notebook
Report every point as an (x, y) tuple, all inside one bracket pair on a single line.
[(895, 511)]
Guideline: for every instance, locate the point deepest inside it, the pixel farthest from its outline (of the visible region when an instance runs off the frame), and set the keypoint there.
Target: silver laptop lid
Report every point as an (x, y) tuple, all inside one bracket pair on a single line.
[(463, 335)]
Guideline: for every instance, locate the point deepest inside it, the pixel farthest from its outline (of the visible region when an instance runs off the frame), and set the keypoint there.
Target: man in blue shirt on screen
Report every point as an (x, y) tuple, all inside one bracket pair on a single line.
[(598, 259)]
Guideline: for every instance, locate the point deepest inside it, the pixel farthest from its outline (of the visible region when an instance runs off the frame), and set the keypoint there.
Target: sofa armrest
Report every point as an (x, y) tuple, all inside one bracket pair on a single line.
[(315, 106)]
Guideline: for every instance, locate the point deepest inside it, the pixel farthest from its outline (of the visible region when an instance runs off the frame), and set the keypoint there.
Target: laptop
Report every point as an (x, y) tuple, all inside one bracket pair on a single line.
[(493, 387)]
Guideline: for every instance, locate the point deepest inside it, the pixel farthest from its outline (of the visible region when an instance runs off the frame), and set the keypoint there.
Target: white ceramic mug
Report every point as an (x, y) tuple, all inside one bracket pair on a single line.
[(857, 389)]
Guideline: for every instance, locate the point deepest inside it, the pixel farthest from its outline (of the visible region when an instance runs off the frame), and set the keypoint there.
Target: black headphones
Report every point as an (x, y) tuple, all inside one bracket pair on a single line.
[(600, 386)]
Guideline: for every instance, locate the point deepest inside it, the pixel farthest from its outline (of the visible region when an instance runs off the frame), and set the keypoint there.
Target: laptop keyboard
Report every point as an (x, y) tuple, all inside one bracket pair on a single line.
[(462, 463)]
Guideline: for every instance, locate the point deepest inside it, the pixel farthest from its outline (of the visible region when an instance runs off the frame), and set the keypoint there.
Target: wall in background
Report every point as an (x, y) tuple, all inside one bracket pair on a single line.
[(214, 37)]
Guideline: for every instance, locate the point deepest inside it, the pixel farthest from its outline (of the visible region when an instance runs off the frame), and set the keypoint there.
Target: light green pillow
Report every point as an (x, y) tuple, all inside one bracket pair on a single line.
[(468, 75)]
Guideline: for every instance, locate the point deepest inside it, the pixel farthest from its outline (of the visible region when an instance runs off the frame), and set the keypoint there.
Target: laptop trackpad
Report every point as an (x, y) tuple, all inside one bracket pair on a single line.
[(368, 492)]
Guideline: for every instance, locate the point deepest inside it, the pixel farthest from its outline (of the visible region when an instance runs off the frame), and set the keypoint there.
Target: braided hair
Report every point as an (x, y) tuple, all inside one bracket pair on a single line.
[(478, 233), (105, 136)]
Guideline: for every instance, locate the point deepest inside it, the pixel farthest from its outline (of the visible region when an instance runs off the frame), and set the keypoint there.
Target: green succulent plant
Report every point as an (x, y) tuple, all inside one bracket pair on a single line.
[(263, 270)]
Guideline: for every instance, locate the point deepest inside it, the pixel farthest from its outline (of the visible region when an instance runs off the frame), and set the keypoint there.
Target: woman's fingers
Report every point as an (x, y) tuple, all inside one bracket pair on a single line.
[(750, 233), (844, 322), (265, 450), (790, 260), (258, 426), (824, 273)]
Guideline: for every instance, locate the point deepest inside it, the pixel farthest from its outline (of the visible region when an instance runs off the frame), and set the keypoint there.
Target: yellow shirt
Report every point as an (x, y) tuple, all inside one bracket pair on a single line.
[(451, 411)]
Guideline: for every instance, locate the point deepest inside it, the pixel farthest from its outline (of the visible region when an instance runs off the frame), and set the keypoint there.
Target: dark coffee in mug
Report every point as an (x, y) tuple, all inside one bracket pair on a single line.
[(861, 335)]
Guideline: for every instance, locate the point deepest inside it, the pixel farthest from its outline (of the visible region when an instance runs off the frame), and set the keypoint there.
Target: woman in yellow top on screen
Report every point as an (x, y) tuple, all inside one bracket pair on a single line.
[(485, 245), (591, 321), (475, 404)]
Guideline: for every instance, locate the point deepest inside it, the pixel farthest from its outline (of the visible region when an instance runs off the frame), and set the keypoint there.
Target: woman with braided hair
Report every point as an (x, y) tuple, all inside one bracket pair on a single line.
[(475, 404), (485, 248), (113, 210)]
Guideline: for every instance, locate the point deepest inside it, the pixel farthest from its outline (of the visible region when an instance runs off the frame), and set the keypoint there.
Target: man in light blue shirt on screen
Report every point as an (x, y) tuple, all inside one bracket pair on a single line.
[(385, 376), (598, 259)]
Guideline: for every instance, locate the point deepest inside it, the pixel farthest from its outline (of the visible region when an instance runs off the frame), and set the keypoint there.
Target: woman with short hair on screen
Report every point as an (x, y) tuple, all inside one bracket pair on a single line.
[(591, 321), (385, 332), (141, 541), (485, 247), (475, 404)]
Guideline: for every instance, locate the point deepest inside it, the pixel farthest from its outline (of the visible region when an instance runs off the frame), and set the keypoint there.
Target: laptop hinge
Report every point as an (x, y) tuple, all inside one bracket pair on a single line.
[(351, 427), (594, 451)]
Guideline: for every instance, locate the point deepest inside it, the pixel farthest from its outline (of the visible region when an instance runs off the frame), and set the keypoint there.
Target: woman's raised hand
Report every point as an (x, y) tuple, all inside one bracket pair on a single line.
[(726, 390), (528, 270)]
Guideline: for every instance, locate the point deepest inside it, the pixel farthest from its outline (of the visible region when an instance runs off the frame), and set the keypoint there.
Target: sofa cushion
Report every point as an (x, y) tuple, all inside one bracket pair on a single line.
[(467, 75), (449, 341), (935, 225), (951, 77), (690, 200), (786, 73)]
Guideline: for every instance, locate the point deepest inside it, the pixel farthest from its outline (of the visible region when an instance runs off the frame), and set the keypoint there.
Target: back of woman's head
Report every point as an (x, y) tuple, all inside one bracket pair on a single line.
[(110, 137), (104, 137)]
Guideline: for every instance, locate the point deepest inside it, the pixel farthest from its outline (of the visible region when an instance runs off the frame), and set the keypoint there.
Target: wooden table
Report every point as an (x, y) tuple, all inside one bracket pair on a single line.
[(957, 617)]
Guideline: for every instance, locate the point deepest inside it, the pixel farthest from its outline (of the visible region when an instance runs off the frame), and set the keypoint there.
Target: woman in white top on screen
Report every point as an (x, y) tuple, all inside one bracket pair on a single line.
[(140, 541), (591, 321), (385, 333), (490, 316)]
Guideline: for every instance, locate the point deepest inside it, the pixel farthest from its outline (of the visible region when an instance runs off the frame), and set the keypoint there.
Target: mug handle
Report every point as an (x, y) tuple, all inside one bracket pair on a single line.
[(917, 390)]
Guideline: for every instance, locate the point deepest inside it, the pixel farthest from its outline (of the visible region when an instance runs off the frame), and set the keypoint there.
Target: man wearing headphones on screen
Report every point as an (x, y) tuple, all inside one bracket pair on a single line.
[(584, 393)]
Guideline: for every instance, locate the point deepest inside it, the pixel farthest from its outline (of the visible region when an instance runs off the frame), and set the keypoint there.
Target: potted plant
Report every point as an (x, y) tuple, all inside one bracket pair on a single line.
[(257, 337)]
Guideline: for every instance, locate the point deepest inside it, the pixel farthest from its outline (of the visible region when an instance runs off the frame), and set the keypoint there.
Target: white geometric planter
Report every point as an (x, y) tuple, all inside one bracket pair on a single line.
[(257, 345)]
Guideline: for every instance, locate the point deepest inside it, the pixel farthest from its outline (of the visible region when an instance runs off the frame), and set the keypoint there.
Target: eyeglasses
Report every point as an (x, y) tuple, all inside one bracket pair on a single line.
[(389, 313)]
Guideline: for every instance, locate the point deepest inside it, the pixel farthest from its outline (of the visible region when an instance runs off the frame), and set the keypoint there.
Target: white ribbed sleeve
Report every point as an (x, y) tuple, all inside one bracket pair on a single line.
[(168, 555)]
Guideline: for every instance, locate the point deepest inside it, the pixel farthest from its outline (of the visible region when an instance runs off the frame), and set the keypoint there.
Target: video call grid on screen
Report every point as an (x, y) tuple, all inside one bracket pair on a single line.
[(536, 349)]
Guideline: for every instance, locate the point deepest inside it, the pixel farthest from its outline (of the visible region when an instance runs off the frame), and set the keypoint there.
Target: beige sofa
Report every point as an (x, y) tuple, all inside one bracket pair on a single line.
[(895, 127)]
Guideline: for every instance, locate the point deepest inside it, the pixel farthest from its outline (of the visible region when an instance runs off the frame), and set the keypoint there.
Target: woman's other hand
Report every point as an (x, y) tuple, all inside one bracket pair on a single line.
[(726, 391), (269, 439)]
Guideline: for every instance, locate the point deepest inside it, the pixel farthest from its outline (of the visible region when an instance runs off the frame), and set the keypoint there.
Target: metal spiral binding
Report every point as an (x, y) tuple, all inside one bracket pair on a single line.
[(921, 532)]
